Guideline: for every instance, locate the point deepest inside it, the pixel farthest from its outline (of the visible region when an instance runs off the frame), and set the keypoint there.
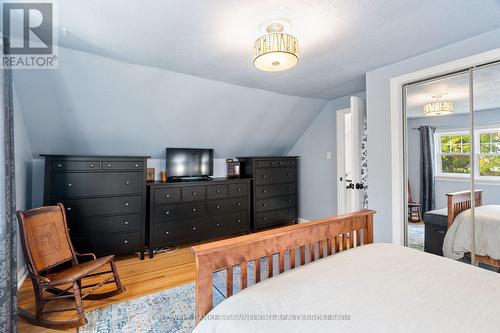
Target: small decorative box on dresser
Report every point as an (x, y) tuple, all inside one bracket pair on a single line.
[(184, 212), (105, 200), (275, 192)]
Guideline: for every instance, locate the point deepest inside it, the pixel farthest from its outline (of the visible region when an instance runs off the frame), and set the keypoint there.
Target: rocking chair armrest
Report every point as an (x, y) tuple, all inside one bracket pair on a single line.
[(40, 278), (86, 255)]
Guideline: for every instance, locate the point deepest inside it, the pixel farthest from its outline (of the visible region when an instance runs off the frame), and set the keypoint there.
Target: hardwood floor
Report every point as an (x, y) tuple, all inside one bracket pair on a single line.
[(165, 270)]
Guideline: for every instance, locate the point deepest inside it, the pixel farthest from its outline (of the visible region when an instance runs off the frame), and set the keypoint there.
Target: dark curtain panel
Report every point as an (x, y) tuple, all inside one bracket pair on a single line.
[(8, 246), (427, 167)]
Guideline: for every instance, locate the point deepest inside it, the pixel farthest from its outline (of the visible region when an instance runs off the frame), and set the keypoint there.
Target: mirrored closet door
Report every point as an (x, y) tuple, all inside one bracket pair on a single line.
[(438, 157), (486, 165), (452, 161)]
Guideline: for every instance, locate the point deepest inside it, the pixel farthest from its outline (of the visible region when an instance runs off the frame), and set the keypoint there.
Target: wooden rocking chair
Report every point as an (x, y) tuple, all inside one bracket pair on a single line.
[(47, 245)]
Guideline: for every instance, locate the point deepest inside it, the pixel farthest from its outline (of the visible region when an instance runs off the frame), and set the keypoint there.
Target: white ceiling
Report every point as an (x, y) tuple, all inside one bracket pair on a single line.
[(339, 40), (486, 83)]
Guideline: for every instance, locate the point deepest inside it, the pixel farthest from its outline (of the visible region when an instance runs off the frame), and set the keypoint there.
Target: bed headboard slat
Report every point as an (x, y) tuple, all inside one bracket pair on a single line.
[(328, 236), (460, 201)]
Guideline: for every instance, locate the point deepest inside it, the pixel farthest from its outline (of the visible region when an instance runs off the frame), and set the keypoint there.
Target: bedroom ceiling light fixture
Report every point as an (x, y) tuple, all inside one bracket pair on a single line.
[(438, 108), (275, 51)]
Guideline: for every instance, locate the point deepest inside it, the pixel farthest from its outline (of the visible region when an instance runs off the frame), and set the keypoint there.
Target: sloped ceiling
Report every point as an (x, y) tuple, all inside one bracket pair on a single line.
[(339, 40), (96, 105)]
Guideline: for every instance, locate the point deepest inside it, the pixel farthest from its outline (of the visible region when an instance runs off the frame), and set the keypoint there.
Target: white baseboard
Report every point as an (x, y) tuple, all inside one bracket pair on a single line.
[(301, 220), (21, 276)]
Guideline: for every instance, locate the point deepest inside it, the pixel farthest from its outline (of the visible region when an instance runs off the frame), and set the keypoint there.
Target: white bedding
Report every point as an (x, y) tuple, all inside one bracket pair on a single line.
[(380, 287), (458, 238)]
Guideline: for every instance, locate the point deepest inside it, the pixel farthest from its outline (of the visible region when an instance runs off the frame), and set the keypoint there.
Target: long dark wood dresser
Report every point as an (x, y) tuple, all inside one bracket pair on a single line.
[(274, 189), (104, 198), (185, 212)]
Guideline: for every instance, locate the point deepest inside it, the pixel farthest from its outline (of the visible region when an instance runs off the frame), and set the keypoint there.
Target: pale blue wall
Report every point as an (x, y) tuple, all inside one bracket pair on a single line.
[(23, 161), (96, 105), (491, 194), (378, 110), (317, 174)]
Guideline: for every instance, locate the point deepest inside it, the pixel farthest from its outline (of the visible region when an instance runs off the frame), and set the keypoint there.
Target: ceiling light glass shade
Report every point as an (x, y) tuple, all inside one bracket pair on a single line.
[(276, 52), (438, 108)]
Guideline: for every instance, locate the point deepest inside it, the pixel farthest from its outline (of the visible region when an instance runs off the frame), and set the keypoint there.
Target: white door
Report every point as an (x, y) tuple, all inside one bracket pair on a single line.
[(350, 126)]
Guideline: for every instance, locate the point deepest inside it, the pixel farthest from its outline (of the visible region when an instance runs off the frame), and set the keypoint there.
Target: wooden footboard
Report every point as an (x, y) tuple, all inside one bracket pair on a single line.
[(321, 238), (460, 201)]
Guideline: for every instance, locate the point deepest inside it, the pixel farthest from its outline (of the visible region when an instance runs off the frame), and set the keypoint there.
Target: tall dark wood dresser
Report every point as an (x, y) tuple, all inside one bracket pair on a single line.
[(186, 212), (105, 200), (274, 189)]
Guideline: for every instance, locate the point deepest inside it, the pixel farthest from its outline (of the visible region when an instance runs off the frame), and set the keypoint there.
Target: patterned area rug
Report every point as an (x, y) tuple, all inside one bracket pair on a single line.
[(171, 310), (416, 232)]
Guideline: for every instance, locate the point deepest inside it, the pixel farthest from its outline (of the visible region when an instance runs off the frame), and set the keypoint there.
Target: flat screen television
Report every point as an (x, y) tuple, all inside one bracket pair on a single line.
[(190, 162)]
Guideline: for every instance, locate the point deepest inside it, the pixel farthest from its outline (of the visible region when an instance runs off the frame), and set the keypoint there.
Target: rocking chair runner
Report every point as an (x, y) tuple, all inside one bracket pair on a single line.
[(46, 245)]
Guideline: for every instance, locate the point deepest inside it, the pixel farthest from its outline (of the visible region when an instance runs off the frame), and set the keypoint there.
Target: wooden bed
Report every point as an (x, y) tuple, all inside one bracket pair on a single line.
[(328, 236), (461, 201)]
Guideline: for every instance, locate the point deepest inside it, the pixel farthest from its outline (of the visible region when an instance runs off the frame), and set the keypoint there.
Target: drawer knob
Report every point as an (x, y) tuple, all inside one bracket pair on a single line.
[(273, 163), (264, 218), (109, 165), (264, 176), (289, 201), (218, 224), (137, 165), (125, 241), (264, 205), (194, 209), (70, 185), (168, 196), (280, 163), (68, 209), (217, 191), (167, 212), (194, 193), (92, 165), (126, 222), (194, 228), (288, 173), (127, 182), (217, 206), (59, 165), (126, 204), (264, 191), (238, 189), (238, 204), (167, 232), (289, 189), (238, 220)]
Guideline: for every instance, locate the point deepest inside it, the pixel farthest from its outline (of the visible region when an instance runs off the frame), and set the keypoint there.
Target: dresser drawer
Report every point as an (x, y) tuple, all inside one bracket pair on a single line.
[(105, 225), (263, 205), (228, 224), (63, 165), (275, 190), (226, 205), (122, 165), (109, 244), (167, 195), (276, 217), (181, 231), (192, 193), (217, 191), (68, 185), (102, 206), (274, 175), (238, 190), (172, 212)]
